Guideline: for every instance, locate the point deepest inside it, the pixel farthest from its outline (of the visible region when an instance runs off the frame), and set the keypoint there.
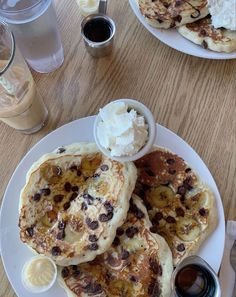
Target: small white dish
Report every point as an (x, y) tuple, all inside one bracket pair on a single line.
[(38, 288), (150, 121)]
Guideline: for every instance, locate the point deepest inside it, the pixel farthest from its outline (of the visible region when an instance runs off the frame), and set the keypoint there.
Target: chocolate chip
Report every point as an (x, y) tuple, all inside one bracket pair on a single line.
[(179, 212), (56, 170), (75, 189), (93, 225), (84, 206), (66, 205), (75, 267), (133, 278), (181, 190), (61, 150), (150, 172), (137, 212), (180, 247), (105, 217), (187, 170), (178, 18), (131, 231), (93, 238), (73, 168), (116, 241), (67, 187), (30, 231), (93, 288), (61, 225), (202, 212), (124, 255), (76, 273), (104, 167), (119, 231), (88, 198), (45, 192), (170, 220), (154, 267), (153, 229), (73, 196), (108, 206), (58, 198), (172, 171), (56, 251), (187, 183), (93, 246), (158, 216), (170, 161), (65, 272), (61, 235), (36, 197), (153, 288)]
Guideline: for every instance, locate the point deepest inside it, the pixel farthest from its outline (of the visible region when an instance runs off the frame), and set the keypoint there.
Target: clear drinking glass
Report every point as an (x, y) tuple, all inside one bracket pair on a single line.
[(21, 107), (34, 25)]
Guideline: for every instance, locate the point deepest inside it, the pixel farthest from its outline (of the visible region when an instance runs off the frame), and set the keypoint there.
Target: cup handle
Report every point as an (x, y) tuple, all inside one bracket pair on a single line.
[(102, 8)]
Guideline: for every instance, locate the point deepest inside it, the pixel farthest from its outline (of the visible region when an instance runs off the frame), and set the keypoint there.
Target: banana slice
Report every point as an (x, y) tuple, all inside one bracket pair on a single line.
[(187, 229), (197, 201), (160, 197)]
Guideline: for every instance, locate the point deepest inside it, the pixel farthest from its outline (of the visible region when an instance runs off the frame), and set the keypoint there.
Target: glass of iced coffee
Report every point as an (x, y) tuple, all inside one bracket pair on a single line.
[(21, 107)]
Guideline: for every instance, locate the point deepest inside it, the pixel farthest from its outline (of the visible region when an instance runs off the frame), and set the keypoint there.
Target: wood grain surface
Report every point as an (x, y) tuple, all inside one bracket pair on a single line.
[(193, 97)]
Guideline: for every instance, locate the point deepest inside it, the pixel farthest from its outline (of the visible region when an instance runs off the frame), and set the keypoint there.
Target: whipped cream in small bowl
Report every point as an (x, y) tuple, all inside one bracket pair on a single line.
[(39, 274), (125, 130)]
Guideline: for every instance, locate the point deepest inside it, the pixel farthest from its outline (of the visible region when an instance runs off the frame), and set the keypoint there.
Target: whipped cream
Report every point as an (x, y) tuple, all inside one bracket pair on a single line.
[(38, 274), (223, 13), (122, 130)]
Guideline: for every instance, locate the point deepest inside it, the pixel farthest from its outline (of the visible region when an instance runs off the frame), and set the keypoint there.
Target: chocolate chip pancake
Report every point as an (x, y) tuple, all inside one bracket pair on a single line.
[(72, 203), (139, 263), (172, 13), (180, 207), (203, 33)]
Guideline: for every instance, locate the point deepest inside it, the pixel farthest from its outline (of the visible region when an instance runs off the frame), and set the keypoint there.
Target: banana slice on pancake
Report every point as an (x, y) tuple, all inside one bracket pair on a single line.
[(138, 263), (72, 203), (172, 13), (203, 33)]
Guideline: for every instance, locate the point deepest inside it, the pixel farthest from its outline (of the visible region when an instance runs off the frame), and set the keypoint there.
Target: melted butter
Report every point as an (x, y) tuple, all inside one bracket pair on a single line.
[(88, 6), (40, 272)]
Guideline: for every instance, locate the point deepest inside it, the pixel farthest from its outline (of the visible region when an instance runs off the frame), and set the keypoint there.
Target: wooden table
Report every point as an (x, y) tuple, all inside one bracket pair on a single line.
[(193, 97)]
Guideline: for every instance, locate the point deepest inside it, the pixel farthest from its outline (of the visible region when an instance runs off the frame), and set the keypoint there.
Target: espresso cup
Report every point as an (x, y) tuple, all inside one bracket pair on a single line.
[(98, 31)]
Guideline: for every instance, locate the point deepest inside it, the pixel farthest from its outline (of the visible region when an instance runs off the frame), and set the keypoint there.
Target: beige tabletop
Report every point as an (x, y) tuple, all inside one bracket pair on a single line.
[(193, 97)]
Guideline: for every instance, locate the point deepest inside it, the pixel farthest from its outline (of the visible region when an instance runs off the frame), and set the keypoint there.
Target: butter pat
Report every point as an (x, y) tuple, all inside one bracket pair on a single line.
[(88, 7), (122, 131), (223, 13), (39, 274)]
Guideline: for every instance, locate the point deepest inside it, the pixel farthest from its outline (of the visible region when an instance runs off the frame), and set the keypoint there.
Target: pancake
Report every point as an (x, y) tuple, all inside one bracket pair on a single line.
[(203, 33), (139, 263), (172, 13), (70, 198), (181, 208)]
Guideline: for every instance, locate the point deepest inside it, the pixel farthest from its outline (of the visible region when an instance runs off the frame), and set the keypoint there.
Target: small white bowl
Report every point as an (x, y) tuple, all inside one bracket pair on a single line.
[(150, 121), (39, 289)]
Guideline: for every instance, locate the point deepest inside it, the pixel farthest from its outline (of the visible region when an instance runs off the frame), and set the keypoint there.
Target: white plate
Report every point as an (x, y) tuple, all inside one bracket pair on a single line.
[(172, 38), (15, 253)]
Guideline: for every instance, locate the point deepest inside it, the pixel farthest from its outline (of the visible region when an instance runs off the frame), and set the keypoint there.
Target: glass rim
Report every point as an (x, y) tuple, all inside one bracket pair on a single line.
[(13, 43), (7, 12)]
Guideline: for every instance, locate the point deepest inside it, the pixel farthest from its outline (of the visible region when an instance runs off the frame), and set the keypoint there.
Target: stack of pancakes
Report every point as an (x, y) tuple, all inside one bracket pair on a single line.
[(192, 20), (115, 229)]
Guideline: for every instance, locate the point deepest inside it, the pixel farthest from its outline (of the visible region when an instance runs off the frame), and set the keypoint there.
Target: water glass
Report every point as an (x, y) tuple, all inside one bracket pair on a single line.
[(35, 28)]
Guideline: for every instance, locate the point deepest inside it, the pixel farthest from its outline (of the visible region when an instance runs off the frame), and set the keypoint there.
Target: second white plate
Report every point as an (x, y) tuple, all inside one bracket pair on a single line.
[(173, 39)]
